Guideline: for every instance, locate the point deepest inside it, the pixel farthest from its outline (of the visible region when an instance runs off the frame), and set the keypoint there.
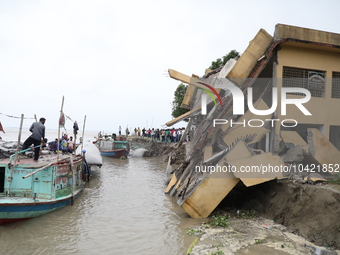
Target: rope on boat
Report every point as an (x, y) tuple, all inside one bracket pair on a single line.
[(15, 117)]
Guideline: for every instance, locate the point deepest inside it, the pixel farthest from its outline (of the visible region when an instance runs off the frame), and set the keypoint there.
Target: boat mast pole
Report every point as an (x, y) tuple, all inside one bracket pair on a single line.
[(61, 112), (73, 177), (82, 142), (16, 154), (19, 139), (74, 140)]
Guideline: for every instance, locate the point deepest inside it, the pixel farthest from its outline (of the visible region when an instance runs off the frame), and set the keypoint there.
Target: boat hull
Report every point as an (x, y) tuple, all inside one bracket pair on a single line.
[(30, 189), (13, 211), (115, 153), (112, 148)]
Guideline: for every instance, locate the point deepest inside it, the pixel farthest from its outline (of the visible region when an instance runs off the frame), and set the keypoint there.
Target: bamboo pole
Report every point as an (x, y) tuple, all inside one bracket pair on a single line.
[(73, 177), (19, 139), (61, 111), (82, 142), (16, 154), (75, 139)]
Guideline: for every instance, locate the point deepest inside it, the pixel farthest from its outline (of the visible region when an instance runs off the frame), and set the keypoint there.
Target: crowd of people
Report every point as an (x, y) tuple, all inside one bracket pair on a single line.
[(65, 144), (37, 138), (164, 135)]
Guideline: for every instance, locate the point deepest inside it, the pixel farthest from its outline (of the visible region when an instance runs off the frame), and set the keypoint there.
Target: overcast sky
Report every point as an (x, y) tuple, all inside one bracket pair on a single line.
[(109, 59)]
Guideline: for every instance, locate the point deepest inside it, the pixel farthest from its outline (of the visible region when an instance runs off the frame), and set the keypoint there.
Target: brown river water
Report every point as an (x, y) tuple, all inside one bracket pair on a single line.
[(123, 210)]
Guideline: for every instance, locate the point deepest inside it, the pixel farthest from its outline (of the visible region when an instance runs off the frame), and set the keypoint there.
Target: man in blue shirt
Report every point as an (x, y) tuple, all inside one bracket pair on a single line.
[(38, 134)]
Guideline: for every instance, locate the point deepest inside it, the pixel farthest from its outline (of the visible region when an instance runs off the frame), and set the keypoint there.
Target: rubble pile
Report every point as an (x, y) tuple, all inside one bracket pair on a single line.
[(242, 136), (155, 148), (253, 150)]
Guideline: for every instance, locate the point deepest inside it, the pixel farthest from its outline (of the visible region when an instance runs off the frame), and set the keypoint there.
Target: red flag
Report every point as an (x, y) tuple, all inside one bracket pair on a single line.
[(1, 128), (62, 119)]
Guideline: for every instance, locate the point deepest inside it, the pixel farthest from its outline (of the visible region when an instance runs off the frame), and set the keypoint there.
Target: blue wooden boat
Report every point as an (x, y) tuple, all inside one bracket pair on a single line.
[(29, 189), (112, 148)]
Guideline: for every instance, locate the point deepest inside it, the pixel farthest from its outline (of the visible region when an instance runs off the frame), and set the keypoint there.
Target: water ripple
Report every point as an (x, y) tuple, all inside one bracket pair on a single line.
[(123, 210)]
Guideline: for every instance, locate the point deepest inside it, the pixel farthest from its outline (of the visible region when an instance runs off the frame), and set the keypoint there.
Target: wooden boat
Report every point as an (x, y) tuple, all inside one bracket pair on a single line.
[(29, 189), (113, 148)]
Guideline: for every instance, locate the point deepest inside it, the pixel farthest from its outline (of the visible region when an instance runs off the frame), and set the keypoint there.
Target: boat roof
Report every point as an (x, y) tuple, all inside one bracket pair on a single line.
[(43, 160)]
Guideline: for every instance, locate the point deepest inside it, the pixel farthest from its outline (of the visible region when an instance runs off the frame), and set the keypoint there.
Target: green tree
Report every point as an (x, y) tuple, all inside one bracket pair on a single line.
[(178, 99), (221, 61)]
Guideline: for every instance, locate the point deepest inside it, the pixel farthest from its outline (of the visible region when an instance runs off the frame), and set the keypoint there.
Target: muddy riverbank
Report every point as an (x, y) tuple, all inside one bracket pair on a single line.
[(274, 218), (154, 148), (248, 234)]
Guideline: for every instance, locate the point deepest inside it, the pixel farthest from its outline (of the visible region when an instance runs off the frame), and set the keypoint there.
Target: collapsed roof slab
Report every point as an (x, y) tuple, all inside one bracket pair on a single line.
[(322, 149), (283, 31), (214, 187), (209, 194), (255, 50)]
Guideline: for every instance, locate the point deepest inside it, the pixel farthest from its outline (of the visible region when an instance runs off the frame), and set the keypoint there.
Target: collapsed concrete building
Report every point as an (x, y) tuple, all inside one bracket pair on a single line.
[(270, 136)]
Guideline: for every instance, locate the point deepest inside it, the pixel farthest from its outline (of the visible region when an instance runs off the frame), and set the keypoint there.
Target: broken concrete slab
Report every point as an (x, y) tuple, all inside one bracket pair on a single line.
[(314, 178), (255, 50), (294, 154), (240, 150), (292, 138), (257, 169), (322, 149), (208, 194), (171, 184), (207, 153)]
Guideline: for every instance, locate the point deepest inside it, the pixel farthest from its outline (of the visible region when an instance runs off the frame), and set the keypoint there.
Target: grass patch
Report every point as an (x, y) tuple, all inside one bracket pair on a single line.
[(219, 220), (217, 253), (193, 232), (248, 214), (334, 181)]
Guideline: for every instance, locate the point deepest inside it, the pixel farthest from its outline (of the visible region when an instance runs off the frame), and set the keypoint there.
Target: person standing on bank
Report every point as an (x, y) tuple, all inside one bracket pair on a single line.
[(38, 134)]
